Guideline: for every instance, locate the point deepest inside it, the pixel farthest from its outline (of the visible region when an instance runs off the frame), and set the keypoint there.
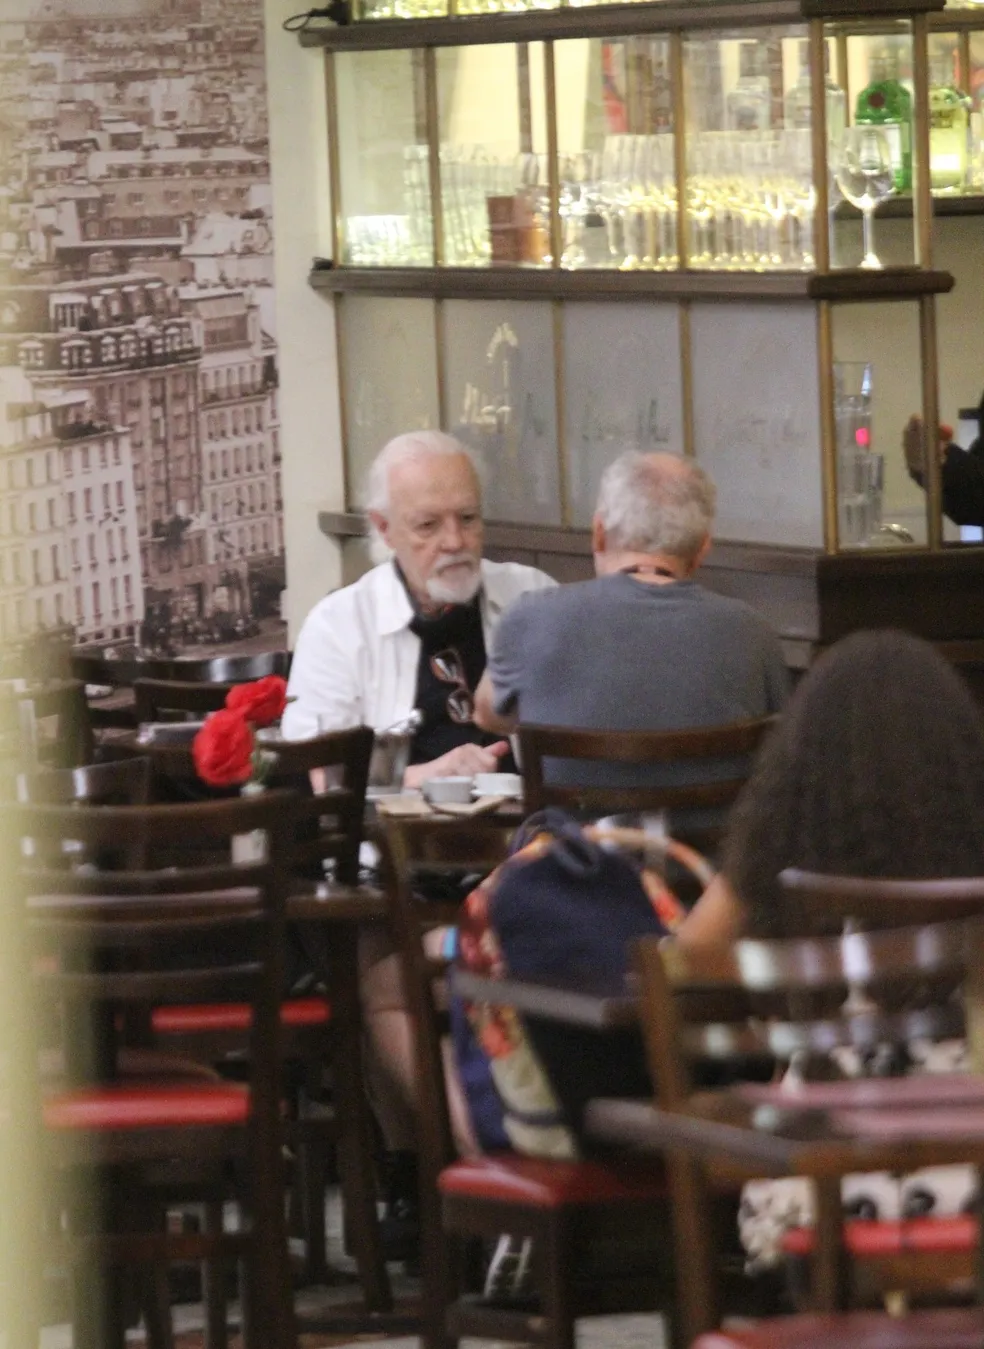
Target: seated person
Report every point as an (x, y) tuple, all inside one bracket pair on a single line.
[(410, 634), (961, 471), (643, 646), (877, 769)]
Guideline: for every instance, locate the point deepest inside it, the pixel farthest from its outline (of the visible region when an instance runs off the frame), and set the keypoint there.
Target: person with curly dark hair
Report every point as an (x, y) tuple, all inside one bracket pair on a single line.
[(875, 769)]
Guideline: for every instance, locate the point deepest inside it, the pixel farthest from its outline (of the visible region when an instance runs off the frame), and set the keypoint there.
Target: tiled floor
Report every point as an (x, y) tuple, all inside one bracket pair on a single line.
[(608, 1332)]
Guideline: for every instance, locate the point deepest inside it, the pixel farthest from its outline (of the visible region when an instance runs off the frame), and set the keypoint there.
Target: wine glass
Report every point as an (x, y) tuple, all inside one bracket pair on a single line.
[(866, 177)]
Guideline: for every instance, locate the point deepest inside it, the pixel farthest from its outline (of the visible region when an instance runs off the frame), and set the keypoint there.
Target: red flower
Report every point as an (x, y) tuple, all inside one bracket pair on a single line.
[(223, 749), (262, 702)]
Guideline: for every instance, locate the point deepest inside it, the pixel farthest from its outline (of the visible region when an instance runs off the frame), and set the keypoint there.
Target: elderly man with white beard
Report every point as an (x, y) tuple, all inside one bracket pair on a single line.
[(413, 632)]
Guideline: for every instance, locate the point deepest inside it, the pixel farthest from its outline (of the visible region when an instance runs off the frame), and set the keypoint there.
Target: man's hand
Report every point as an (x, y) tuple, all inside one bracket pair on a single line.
[(464, 761), (912, 444)]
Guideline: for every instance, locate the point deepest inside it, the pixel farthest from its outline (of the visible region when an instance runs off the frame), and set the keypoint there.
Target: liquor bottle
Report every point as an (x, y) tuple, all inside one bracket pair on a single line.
[(887, 104), (749, 105), (948, 119), (798, 112)]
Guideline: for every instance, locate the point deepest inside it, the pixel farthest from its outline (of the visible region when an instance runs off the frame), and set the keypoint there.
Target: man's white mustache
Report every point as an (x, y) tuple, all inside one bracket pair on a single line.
[(459, 560)]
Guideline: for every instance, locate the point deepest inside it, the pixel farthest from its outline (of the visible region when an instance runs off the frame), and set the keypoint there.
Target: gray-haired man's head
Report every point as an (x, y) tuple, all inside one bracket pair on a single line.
[(425, 507), (654, 504)]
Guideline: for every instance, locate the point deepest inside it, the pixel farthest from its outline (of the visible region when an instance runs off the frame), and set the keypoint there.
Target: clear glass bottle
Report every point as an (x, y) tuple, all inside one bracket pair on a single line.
[(948, 127), (887, 104), (749, 104), (797, 106)]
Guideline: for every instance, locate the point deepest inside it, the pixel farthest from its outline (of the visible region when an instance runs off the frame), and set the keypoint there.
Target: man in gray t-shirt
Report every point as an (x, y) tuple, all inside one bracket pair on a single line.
[(642, 646)]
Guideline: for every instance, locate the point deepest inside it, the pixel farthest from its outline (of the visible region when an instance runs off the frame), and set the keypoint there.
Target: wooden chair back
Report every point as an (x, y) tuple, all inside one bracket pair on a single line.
[(123, 782), (123, 671), (816, 904), (47, 723), (126, 782), (723, 751), (101, 943), (416, 852), (328, 826), (773, 1000), (176, 700)]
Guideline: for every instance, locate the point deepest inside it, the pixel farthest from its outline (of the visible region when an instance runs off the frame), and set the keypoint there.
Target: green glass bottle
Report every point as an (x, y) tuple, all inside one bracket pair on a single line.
[(887, 104), (948, 119)]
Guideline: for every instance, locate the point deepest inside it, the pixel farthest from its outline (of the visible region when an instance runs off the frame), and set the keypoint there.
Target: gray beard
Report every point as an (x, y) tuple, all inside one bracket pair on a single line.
[(449, 592)]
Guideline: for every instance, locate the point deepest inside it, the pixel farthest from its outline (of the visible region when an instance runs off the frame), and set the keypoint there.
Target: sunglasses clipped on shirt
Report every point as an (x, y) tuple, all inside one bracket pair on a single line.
[(447, 666)]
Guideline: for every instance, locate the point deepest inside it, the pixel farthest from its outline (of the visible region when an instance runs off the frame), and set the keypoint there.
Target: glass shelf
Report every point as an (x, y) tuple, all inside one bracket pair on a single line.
[(494, 167), (572, 147), (382, 155)]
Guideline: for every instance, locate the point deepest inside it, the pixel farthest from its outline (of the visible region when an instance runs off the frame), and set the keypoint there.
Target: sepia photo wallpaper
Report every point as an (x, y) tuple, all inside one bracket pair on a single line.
[(140, 496)]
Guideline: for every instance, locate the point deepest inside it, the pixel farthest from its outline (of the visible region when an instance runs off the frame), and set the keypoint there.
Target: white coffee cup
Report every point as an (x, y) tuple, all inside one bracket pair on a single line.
[(498, 784), (447, 791)]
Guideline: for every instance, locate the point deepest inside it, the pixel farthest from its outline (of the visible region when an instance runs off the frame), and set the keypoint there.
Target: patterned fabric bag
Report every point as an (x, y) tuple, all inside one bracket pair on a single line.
[(565, 903)]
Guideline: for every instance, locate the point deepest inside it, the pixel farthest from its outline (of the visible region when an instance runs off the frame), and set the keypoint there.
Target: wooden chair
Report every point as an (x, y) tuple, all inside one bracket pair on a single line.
[(101, 939), (119, 672), (123, 672), (326, 834), (125, 782), (561, 1205), (176, 700), (719, 755), (231, 669), (47, 724), (767, 1001), (816, 904), (921, 1253), (943, 1328)]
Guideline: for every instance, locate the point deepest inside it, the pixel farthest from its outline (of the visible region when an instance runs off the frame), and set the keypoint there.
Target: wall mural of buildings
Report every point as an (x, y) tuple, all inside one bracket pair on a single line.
[(140, 497)]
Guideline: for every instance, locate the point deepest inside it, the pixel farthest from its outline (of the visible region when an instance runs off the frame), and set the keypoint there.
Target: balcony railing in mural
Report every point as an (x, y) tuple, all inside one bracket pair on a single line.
[(212, 396)]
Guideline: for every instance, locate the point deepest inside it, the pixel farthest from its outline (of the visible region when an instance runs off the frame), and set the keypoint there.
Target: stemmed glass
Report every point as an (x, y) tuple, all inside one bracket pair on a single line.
[(866, 177)]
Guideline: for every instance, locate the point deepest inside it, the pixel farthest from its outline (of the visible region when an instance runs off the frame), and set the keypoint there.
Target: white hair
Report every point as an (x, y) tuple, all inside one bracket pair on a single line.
[(656, 503), (410, 445)]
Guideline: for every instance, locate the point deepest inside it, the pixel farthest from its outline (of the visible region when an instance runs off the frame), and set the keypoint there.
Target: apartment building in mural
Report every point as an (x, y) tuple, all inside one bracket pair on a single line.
[(138, 360)]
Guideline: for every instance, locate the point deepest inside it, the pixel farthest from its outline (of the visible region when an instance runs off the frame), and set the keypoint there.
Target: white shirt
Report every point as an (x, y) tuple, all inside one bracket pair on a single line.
[(355, 660)]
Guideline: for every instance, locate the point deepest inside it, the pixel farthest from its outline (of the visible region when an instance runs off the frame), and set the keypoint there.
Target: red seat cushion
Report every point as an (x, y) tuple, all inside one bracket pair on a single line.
[(541, 1183), (861, 1238), (949, 1328), (151, 1106), (200, 1018)]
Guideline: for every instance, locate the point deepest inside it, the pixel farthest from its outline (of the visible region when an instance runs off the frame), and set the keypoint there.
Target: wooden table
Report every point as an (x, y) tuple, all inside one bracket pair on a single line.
[(345, 909), (765, 1136), (824, 1132), (595, 1004)]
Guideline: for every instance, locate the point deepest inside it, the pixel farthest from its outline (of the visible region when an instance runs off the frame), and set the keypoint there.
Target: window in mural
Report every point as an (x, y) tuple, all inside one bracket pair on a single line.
[(136, 291)]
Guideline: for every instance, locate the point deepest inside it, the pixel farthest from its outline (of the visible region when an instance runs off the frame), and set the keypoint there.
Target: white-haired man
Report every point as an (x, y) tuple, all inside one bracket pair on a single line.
[(642, 646), (412, 633)]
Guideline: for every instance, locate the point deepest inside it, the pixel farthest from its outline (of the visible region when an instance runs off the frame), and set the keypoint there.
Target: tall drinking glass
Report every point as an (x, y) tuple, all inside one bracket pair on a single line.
[(866, 177), (860, 469)]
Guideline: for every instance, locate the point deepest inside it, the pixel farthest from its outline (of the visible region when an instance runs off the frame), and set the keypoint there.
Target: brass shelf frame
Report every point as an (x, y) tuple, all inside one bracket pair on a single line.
[(631, 20), (823, 286), (527, 283)]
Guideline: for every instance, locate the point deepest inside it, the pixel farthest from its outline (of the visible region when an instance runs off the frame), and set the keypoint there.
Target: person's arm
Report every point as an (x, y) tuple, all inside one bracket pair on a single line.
[(776, 676), (715, 920), (324, 674), (497, 698), (963, 484), (961, 472), (464, 761), (485, 714)]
